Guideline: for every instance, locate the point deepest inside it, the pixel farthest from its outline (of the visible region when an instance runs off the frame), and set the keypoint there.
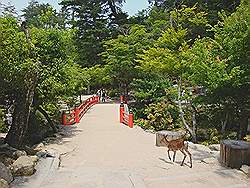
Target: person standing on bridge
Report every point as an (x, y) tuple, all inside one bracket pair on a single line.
[(99, 93), (103, 95)]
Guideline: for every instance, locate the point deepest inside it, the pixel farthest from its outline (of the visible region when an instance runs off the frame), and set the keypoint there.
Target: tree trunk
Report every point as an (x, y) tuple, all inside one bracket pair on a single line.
[(224, 124), (88, 90), (187, 127), (234, 153), (40, 109), (194, 137), (17, 132)]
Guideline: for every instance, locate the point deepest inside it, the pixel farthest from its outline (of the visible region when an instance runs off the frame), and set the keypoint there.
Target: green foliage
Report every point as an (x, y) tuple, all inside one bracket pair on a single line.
[(163, 115), (16, 62), (98, 76), (149, 88), (59, 75), (40, 15), (121, 53), (53, 56)]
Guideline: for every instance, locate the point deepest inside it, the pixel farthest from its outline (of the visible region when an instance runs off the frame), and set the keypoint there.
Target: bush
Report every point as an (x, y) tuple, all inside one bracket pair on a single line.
[(161, 116)]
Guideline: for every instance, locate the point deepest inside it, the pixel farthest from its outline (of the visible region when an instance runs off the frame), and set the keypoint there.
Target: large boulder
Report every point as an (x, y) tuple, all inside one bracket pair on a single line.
[(4, 183), (23, 166), (5, 173)]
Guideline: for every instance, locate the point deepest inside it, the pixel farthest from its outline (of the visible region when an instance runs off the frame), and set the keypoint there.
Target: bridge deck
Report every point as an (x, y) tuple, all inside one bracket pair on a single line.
[(100, 153)]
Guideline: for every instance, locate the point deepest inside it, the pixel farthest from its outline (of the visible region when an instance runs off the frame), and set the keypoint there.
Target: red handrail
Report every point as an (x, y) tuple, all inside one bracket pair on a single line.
[(74, 116), (126, 118)]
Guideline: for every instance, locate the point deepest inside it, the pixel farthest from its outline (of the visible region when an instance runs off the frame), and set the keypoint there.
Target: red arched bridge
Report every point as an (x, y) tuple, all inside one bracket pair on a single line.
[(73, 116)]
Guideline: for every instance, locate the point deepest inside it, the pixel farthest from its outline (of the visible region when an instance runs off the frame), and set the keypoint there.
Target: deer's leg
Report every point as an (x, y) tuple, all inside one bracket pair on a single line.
[(174, 156), (169, 154), (190, 156), (185, 155)]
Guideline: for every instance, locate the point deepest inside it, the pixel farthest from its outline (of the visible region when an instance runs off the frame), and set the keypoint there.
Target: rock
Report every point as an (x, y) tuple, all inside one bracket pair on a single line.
[(18, 154), (246, 170), (200, 147), (214, 147), (5, 173), (44, 154), (23, 166), (34, 158), (215, 154), (7, 161), (30, 151), (7, 150), (38, 147), (4, 183), (210, 160)]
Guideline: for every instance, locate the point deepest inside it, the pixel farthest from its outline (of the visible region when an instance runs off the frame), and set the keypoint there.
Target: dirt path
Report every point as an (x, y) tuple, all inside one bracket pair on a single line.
[(100, 153)]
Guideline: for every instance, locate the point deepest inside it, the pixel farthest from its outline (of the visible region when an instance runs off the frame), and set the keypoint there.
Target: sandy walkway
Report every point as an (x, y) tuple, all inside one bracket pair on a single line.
[(101, 153)]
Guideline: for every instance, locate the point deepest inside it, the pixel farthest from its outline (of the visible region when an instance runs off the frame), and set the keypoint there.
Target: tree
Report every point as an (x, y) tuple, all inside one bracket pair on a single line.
[(166, 57), (40, 72), (120, 56), (220, 64), (95, 22), (18, 75), (40, 15)]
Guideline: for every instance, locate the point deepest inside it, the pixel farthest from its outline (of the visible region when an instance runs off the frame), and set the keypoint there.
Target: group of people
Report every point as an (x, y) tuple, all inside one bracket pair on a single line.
[(102, 94)]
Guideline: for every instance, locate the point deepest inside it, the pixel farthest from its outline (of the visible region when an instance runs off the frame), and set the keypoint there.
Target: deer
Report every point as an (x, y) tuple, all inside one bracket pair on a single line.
[(175, 145)]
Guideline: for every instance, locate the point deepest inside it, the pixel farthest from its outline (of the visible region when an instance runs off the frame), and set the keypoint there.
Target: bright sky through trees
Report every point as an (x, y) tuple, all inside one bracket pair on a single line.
[(131, 6)]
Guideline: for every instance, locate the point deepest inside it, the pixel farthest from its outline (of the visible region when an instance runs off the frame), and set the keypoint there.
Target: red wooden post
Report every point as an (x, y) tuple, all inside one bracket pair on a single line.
[(131, 120), (121, 98), (121, 112), (64, 118), (77, 118)]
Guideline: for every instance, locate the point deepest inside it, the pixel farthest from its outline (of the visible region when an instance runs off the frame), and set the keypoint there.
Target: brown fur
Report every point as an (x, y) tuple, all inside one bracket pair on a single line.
[(175, 145)]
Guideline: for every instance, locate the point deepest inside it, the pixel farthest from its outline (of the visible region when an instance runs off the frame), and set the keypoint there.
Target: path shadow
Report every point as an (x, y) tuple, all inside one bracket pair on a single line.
[(175, 162), (164, 160), (63, 133)]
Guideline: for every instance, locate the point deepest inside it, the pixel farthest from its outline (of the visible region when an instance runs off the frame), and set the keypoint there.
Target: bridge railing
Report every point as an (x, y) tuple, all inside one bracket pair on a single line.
[(126, 117), (75, 115)]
